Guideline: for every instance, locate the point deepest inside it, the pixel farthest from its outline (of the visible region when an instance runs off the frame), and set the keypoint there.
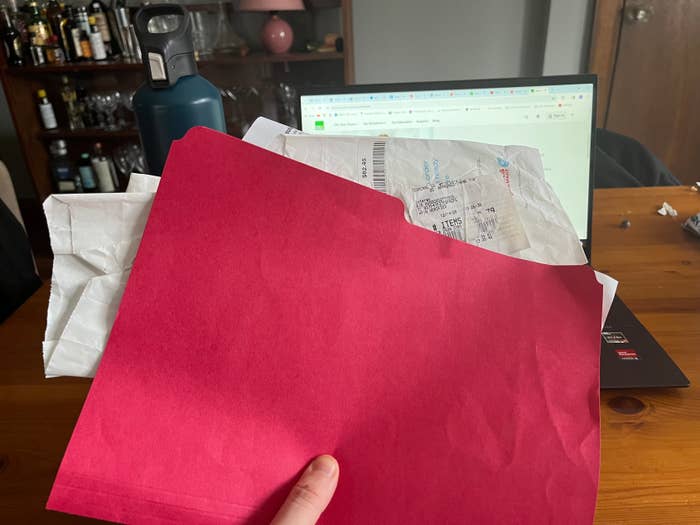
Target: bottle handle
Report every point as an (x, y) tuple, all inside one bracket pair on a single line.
[(167, 56)]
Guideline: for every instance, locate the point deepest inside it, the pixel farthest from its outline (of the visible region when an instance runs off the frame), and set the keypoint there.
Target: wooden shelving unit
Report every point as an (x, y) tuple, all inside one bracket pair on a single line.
[(213, 60), (224, 70), (95, 134)]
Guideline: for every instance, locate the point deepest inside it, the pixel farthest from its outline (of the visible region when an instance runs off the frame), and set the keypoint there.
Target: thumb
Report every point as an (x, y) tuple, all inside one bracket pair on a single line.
[(311, 494)]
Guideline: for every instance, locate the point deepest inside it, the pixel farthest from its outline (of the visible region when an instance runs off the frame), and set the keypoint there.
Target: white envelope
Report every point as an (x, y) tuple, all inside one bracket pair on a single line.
[(94, 238)]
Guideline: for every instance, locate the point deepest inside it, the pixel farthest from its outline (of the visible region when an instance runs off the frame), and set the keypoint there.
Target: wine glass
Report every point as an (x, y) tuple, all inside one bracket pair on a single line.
[(93, 103), (287, 97), (109, 103)]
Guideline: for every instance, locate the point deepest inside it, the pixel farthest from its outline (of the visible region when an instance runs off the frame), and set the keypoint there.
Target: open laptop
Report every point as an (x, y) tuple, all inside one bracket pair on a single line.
[(555, 115)]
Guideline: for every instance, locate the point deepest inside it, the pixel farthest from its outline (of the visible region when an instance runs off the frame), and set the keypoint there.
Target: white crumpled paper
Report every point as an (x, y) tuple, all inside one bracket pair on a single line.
[(426, 174), (94, 238)]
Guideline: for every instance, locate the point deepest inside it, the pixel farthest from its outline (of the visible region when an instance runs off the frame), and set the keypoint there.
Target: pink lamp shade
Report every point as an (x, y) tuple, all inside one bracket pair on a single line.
[(277, 35), (271, 5)]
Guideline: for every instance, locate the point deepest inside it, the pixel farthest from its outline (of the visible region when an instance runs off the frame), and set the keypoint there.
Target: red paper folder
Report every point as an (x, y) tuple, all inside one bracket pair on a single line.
[(276, 312)]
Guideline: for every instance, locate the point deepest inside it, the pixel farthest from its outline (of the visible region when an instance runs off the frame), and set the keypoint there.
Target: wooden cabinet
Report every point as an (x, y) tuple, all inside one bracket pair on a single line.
[(645, 53)]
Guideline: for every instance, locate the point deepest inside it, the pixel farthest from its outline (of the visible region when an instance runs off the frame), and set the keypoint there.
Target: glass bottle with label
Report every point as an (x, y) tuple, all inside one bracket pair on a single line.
[(72, 31), (54, 15), (99, 11), (38, 27), (54, 52), (85, 48), (81, 18), (70, 100), (105, 170), (11, 40), (87, 174), (64, 37), (20, 23), (96, 44), (63, 171), (48, 117)]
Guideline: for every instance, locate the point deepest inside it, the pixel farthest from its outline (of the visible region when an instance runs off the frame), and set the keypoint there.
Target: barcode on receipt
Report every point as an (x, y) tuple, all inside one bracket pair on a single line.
[(379, 166), (453, 233)]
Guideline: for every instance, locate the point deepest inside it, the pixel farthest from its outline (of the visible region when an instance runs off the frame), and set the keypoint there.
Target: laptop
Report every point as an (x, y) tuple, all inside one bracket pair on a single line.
[(555, 115)]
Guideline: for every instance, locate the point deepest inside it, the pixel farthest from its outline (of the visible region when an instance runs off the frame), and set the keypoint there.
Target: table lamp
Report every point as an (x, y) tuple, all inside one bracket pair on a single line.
[(277, 35)]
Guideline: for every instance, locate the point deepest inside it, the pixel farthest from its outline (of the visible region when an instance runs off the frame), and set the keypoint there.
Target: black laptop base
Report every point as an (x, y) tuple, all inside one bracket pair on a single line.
[(631, 358)]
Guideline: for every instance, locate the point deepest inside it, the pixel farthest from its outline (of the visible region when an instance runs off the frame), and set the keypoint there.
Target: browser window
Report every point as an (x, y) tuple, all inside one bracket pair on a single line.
[(555, 119)]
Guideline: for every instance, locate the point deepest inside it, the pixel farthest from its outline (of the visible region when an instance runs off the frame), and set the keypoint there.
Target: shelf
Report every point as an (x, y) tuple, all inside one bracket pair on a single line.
[(261, 58), (77, 67), (88, 133), (218, 59)]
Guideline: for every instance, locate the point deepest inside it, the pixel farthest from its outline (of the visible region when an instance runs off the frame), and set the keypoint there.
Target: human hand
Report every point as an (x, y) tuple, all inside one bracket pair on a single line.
[(311, 494)]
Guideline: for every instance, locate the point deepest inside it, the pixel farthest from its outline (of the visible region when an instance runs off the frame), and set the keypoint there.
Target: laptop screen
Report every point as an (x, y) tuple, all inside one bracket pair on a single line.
[(552, 114)]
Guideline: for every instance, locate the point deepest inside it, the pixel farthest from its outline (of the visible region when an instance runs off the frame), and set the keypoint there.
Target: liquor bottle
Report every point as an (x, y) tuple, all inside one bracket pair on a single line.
[(72, 30), (65, 36), (117, 44), (85, 48), (87, 175), (97, 45), (11, 39), (122, 19), (20, 23), (105, 170), (63, 172), (82, 19), (37, 55), (48, 117), (54, 14), (99, 11), (70, 100), (54, 52), (38, 27)]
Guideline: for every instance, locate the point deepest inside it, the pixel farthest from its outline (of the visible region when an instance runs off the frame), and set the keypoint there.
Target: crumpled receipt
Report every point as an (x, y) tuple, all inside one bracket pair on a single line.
[(492, 196), (94, 238), (451, 187)]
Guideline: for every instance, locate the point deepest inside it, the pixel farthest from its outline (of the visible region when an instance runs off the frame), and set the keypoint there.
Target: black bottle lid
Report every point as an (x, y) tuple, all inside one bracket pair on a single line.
[(167, 56)]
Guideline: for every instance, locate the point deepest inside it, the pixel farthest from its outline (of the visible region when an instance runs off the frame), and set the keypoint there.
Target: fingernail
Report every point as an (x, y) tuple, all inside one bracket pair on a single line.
[(326, 465)]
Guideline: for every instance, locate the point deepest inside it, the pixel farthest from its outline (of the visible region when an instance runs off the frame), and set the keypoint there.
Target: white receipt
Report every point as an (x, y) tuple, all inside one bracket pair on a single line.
[(450, 187), (548, 230), (269, 134)]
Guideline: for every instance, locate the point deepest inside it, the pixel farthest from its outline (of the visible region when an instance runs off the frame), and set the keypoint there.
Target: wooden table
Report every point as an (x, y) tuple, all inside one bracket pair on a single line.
[(650, 439), (650, 471)]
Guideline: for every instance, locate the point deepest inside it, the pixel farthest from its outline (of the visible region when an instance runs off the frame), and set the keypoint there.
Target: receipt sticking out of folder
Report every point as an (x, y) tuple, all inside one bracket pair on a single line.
[(492, 196), (449, 187), (284, 313)]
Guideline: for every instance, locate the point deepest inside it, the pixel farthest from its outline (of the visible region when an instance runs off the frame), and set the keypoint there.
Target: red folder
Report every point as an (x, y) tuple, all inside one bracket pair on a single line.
[(276, 312)]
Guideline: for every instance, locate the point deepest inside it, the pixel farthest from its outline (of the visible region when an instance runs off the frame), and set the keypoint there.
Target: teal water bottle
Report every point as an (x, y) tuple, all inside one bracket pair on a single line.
[(174, 97)]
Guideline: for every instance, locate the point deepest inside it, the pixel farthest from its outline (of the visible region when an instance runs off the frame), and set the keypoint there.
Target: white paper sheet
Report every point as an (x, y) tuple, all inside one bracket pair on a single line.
[(609, 290), (94, 238), (142, 183)]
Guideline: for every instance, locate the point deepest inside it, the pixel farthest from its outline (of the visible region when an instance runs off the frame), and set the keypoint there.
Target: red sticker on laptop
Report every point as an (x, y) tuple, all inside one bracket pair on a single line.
[(627, 354)]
